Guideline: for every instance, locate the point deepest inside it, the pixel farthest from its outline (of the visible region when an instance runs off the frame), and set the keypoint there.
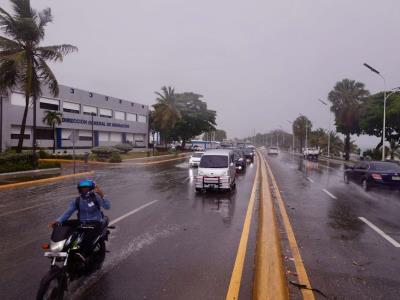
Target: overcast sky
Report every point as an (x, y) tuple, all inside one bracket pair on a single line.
[(258, 63)]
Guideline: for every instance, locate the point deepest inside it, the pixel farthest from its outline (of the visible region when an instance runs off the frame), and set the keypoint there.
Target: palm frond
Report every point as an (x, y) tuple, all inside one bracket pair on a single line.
[(7, 44), (47, 76), (23, 9), (55, 53), (45, 17)]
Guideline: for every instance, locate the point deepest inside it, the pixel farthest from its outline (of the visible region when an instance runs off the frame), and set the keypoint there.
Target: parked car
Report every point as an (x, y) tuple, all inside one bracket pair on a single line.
[(217, 170), (194, 159), (240, 160), (197, 148), (273, 150), (374, 174), (249, 154)]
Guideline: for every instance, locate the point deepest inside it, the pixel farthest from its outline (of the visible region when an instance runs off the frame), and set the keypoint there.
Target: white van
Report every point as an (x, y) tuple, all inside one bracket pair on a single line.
[(217, 170)]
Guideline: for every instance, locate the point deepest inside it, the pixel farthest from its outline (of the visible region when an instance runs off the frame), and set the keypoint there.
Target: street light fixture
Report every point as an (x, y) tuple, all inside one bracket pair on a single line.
[(384, 108), (329, 130)]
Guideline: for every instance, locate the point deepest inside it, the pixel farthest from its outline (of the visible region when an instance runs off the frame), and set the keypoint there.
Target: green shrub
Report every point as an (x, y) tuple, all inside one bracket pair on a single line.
[(14, 162), (43, 154), (375, 154), (104, 152), (124, 148), (115, 157)]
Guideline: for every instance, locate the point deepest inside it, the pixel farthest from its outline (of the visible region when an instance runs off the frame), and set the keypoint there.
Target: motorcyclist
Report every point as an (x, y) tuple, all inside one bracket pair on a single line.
[(88, 205)]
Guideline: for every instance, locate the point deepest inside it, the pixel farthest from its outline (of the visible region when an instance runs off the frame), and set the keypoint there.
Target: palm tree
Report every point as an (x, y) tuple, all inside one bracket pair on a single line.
[(23, 60), (299, 127), (166, 110), (52, 118), (346, 97)]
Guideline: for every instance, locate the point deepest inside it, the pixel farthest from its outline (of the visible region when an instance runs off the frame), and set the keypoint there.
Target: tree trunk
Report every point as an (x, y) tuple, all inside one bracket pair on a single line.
[(183, 143), (347, 146), (23, 124), (54, 139)]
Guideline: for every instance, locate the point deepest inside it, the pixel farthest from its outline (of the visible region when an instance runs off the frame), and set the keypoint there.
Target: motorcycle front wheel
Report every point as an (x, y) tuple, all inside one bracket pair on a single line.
[(53, 285)]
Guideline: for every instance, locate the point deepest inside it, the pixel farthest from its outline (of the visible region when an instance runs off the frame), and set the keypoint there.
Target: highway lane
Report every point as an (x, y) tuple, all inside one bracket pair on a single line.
[(170, 243), (344, 257)]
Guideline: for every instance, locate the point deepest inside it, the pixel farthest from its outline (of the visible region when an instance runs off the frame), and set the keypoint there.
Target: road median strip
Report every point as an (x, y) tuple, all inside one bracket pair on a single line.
[(44, 180), (269, 278), (307, 292)]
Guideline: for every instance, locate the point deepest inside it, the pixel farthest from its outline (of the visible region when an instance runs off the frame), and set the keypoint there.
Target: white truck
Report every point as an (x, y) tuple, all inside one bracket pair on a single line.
[(311, 153)]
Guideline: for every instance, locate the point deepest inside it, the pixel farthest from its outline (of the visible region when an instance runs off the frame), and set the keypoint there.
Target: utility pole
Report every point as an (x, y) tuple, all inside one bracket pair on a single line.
[(92, 115)]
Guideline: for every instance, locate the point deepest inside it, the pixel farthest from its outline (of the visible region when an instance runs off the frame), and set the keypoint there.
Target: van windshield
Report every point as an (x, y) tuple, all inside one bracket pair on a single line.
[(197, 154), (214, 161)]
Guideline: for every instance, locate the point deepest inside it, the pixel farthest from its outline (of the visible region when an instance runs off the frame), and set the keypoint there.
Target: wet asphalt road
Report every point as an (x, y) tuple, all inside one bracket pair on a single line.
[(343, 256), (182, 245)]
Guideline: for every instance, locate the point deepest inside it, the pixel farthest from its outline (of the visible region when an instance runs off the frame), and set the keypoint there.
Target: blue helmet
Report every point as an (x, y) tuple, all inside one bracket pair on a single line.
[(86, 183)]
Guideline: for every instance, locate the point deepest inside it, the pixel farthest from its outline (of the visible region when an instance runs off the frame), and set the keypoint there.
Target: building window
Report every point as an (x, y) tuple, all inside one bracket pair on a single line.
[(142, 119), (44, 134), (104, 136), (65, 134), (49, 104), (90, 95), (15, 136), (89, 110), (72, 91), (120, 101), (85, 138), (131, 117), (116, 137), (132, 104), (19, 100), (107, 98), (105, 113), (142, 106), (71, 107), (119, 115), (85, 135)]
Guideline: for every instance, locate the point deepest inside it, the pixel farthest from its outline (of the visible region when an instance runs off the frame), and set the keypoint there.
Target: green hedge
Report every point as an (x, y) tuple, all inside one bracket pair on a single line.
[(104, 152), (123, 148), (14, 162)]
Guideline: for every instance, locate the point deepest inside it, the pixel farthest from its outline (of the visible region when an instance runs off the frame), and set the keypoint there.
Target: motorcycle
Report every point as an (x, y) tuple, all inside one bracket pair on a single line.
[(67, 261)]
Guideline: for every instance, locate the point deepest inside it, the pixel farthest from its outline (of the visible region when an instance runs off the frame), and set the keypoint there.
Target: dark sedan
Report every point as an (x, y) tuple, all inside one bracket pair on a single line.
[(374, 174), (249, 154)]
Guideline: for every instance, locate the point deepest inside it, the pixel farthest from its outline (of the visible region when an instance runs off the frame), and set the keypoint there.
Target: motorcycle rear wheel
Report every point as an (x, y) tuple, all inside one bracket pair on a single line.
[(53, 285)]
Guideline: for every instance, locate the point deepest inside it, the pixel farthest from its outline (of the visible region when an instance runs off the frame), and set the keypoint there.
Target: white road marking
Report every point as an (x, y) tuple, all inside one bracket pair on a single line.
[(380, 232), (310, 180), (186, 179), (132, 212), (329, 194)]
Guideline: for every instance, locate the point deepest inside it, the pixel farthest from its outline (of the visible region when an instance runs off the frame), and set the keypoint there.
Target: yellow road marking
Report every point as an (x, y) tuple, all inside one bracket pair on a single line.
[(44, 180), (298, 261), (234, 285)]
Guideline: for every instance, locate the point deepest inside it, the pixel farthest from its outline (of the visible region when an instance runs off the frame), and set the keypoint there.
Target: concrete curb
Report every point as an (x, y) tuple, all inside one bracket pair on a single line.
[(72, 161), (155, 158), (40, 181), (15, 175), (269, 278)]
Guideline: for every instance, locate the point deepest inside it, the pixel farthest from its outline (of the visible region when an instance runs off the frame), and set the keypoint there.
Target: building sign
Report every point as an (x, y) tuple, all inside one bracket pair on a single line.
[(97, 123)]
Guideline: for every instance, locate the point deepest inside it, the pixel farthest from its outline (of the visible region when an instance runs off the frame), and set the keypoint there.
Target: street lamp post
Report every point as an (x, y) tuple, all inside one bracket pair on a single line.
[(384, 108), (329, 130), (92, 115)]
